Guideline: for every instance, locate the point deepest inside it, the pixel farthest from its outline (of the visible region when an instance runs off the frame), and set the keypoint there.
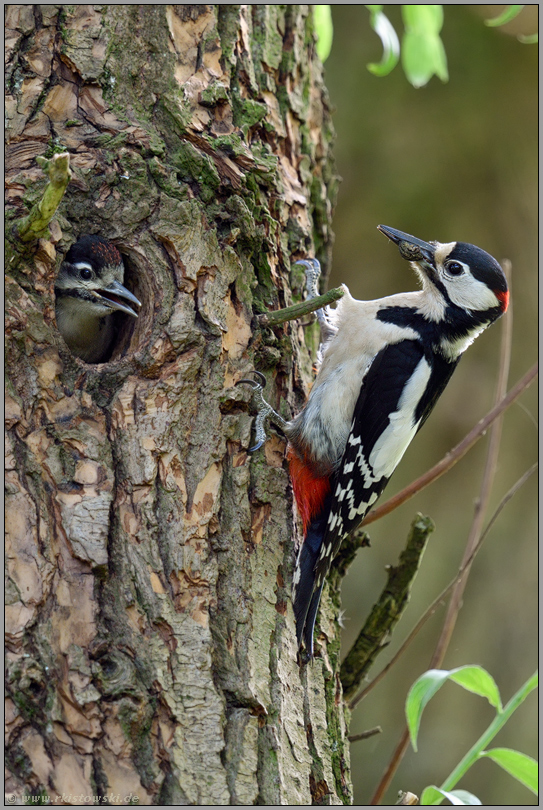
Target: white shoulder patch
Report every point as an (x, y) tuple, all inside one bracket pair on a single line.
[(394, 441)]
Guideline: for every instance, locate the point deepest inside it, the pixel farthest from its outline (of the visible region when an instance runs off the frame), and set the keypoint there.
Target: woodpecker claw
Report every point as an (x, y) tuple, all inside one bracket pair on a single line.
[(312, 275), (255, 385), (265, 411)]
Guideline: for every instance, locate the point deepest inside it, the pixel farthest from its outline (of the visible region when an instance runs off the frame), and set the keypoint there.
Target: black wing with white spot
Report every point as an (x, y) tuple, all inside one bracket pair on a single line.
[(385, 420)]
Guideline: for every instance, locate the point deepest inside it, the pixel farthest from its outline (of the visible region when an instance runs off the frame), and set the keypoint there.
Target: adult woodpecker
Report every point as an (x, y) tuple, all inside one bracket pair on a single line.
[(383, 366), (89, 291)]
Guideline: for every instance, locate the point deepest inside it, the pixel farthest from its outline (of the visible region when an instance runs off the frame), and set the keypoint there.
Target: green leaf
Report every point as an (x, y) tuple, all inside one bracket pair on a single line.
[(322, 19), (422, 56), (423, 19), (431, 795), (474, 678), (528, 39), (478, 680), (423, 53), (522, 767), (420, 693), (434, 795), (417, 59), (506, 16), (391, 44)]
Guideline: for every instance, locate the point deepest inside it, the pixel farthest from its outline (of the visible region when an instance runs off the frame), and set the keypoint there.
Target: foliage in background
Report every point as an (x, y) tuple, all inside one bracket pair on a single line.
[(506, 16), (422, 50), (477, 680), (322, 20), (423, 53), (391, 44)]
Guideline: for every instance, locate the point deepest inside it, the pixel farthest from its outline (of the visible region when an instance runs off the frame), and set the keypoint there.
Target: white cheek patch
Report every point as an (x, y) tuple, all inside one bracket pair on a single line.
[(469, 293)]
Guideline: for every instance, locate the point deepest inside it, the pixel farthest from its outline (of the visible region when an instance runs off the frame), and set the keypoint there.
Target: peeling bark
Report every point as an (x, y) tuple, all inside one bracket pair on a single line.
[(151, 638)]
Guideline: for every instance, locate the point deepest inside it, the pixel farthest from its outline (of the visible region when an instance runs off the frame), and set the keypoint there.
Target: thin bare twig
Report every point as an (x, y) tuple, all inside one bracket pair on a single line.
[(444, 593), (392, 767), (364, 735)]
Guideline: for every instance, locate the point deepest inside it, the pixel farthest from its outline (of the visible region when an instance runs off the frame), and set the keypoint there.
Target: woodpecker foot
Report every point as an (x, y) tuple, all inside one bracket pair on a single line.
[(312, 275), (265, 413)]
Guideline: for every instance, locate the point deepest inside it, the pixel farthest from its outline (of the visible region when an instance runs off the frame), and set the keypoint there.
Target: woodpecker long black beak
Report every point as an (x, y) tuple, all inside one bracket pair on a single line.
[(116, 296), (411, 248)]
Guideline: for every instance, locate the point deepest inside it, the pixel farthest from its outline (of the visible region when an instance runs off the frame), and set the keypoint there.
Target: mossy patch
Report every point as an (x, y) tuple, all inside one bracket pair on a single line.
[(193, 165)]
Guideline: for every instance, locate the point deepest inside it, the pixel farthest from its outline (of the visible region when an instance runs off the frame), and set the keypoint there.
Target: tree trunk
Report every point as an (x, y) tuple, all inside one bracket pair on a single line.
[(152, 651)]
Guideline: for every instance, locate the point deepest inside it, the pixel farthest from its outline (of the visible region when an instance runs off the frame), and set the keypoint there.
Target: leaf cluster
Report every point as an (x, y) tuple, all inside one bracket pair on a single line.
[(477, 680), (422, 51)]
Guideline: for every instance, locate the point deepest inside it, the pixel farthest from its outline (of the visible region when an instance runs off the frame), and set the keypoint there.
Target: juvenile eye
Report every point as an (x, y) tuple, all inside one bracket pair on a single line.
[(85, 273), (454, 268)]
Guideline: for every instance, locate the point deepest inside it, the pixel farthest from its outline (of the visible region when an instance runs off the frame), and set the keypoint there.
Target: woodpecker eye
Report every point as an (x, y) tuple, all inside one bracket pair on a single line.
[(454, 268), (85, 273)]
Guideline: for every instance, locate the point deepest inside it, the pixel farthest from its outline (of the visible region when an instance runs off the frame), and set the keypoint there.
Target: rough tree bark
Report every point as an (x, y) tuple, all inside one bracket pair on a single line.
[(151, 644)]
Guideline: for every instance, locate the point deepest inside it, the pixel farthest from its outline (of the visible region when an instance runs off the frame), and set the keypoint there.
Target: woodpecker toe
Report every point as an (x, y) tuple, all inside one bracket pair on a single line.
[(254, 385)]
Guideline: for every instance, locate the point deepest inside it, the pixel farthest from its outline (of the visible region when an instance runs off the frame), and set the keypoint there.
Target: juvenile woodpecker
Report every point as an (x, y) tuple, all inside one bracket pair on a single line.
[(89, 291), (383, 366)]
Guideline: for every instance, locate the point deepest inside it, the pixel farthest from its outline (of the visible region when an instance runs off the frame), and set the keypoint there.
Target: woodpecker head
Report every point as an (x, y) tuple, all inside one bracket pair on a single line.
[(468, 279), (88, 290), (92, 273)]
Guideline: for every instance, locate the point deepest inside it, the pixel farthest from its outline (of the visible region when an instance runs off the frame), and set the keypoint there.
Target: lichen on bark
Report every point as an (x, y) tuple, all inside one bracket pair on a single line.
[(151, 637)]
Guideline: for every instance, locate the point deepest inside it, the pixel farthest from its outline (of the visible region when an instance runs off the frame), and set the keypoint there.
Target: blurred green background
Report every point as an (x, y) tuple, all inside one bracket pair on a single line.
[(455, 161)]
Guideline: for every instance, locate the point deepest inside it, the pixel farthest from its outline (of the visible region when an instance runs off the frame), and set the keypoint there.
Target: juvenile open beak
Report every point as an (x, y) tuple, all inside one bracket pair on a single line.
[(410, 247), (116, 296)]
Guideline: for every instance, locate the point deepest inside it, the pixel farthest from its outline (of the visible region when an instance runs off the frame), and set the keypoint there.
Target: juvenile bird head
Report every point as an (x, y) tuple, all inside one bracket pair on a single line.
[(466, 277), (92, 272), (89, 289)]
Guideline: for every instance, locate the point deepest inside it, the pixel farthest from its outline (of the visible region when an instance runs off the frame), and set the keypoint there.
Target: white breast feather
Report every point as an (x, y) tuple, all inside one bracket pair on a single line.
[(346, 359)]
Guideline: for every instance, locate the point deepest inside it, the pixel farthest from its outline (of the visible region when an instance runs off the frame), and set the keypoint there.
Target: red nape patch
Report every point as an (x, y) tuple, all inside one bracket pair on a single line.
[(107, 252), (503, 298), (309, 490)]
